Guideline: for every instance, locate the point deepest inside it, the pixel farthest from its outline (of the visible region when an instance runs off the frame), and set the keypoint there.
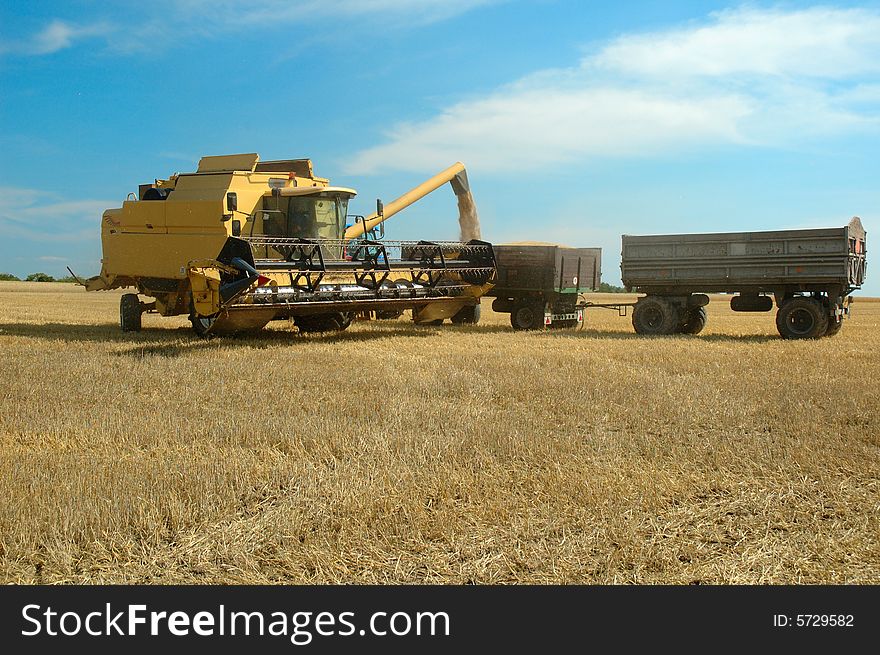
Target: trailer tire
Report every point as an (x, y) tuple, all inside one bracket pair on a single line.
[(802, 318), (468, 315), (527, 314), (130, 313), (654, 315), (834, 325), (694, 322)]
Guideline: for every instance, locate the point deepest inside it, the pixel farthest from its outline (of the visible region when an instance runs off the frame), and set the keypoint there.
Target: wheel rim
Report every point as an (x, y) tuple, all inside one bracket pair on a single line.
[(801, 321), (205, 323), (653, 317)]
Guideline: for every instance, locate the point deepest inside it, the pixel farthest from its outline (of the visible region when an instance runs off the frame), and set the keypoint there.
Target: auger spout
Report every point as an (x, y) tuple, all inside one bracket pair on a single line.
[(455, 174)]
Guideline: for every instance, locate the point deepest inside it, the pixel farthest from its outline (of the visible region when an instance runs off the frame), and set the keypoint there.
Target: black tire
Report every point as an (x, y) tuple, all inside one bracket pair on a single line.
[(694, 321), (333, 322), (527, 314), (130, 313), (653, 315), (833, 327), (388, 315), (202, 324), (469, 315), (802, 318)]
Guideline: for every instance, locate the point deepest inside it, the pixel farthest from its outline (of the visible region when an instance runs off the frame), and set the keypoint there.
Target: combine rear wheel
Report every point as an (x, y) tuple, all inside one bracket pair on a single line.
[(802, 318), (654, 315), (130, 313), (694, 322)]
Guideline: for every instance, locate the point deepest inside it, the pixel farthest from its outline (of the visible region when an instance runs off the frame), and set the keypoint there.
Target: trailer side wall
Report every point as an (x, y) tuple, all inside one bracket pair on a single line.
[(745, 261)]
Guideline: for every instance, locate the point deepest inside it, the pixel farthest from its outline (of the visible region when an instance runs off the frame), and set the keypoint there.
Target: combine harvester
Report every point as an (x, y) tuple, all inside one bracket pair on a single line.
[(242, 242)]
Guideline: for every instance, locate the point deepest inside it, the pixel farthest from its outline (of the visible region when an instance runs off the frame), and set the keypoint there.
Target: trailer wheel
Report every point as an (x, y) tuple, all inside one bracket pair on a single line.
[(802, 318), (654, 315), (694, 322), (130, 313), (467, 315), (834, 325), (527, 314), (388, 314)]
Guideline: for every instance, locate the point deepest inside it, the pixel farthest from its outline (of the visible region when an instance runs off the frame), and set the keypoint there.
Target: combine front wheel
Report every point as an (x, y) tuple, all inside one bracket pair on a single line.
[(467, 315), (335, 322), (202, 324)]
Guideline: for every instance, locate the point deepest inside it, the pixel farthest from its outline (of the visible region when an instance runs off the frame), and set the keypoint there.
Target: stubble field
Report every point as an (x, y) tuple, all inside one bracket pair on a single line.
[(394, 453)]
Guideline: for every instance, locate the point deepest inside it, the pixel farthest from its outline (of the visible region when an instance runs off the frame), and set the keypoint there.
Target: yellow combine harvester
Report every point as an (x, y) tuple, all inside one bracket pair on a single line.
[(241, 242)]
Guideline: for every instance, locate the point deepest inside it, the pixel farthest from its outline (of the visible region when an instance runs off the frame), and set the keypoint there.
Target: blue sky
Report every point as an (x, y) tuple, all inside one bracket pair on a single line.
[(577, 121)]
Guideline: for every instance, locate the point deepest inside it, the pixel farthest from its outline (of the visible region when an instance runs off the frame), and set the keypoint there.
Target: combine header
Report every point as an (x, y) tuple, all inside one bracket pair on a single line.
[(241, 242)]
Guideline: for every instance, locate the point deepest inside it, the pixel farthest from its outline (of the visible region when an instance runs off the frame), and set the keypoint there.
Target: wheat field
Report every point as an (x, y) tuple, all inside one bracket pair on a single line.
[(399, 454)]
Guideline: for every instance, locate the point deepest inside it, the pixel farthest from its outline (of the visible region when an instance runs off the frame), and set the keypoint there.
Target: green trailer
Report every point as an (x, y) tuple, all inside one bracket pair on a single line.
[(538, 284)]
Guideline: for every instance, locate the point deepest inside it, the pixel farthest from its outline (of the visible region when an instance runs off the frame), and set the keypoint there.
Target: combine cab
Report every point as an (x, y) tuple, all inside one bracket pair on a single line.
[(241, 242)]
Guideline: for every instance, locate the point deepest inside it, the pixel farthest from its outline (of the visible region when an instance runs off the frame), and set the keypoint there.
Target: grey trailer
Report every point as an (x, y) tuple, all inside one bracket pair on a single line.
[(809, 273), (538, 284)]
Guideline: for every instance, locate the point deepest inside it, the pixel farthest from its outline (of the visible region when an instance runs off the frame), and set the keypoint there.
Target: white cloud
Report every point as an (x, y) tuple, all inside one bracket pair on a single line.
[(57, 35), (37, 216), (284, 11), (175, 20), (820, 42), (746, 76), (512, 131)]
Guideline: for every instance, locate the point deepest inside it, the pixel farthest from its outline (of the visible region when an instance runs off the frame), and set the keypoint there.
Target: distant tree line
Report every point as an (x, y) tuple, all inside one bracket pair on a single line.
[(35, 277), (604, 287)]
